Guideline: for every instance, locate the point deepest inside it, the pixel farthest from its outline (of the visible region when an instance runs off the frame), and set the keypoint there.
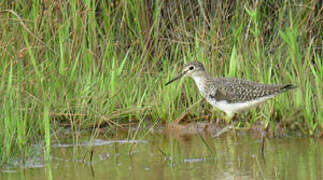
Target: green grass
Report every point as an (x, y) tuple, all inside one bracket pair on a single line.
[(83, 64)]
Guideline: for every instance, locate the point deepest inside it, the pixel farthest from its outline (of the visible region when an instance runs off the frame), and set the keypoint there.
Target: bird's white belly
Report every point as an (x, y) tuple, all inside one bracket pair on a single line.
[(237, 107)]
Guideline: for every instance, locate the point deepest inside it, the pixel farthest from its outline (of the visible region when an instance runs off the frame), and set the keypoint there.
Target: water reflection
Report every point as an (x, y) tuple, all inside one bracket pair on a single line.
[(185, 157)]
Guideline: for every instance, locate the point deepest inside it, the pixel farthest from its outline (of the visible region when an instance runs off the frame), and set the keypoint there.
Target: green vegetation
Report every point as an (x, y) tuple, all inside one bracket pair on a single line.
[(88, 64)]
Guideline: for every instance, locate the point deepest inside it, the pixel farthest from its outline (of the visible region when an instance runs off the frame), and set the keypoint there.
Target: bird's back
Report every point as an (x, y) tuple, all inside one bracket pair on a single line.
[(235, 90)]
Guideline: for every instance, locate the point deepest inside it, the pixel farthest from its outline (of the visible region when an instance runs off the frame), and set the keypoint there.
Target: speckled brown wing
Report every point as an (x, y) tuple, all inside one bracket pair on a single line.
[(240, 90)]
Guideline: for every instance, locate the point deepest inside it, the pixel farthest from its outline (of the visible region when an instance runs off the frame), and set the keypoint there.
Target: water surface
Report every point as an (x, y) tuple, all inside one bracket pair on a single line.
[(185, 157)]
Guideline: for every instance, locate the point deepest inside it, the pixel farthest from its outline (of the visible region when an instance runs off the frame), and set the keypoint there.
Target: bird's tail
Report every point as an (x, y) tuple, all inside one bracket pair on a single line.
[(288, 87)]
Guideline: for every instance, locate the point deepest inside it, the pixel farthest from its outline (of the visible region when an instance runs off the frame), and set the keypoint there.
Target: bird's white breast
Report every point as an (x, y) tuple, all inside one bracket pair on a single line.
[(237, 107)]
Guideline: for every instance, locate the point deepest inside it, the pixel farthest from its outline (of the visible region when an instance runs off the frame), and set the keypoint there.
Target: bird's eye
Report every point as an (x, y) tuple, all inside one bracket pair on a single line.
[(191, 68)]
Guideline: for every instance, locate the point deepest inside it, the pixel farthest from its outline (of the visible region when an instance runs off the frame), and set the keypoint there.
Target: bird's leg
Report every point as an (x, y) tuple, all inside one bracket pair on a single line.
[(229, 117), (218, 119), (264, 135)]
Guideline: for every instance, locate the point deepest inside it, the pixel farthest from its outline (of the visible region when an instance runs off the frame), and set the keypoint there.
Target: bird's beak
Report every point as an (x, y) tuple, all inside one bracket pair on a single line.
[(176, 78)]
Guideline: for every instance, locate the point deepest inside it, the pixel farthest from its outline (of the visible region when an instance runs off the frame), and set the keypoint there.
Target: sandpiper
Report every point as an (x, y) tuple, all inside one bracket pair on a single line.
[(230, 95)]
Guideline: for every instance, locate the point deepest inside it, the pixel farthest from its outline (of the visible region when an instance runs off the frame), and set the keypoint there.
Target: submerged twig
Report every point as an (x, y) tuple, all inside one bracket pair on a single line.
[(224, 130), (106, 119), (179, 119)]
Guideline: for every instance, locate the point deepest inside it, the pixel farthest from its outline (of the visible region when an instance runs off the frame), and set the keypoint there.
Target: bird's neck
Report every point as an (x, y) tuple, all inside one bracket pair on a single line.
[(200, 79)]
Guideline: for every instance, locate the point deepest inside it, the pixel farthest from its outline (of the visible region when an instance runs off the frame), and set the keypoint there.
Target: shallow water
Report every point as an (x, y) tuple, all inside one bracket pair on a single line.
[(185, 157)]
